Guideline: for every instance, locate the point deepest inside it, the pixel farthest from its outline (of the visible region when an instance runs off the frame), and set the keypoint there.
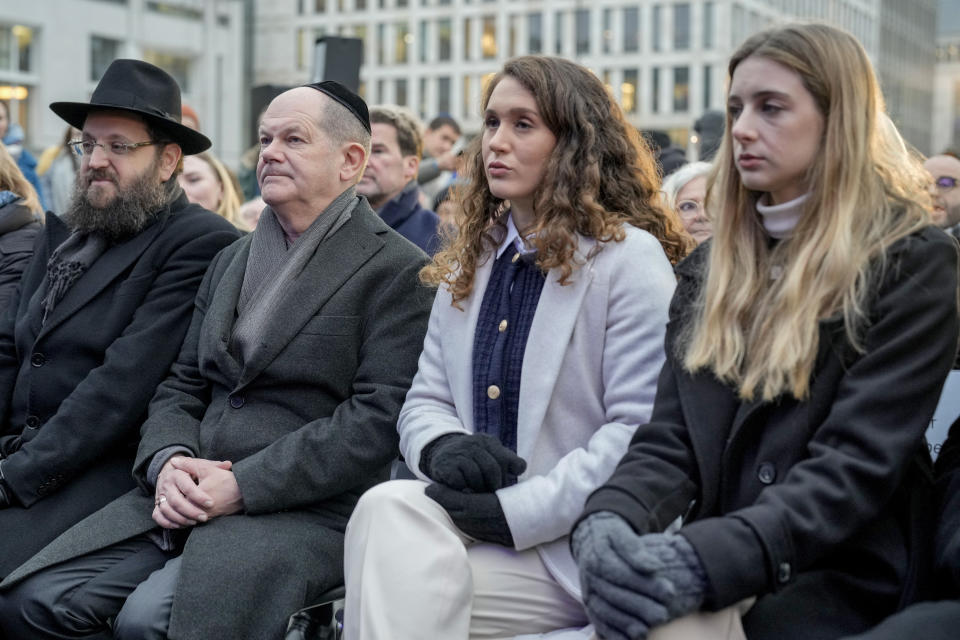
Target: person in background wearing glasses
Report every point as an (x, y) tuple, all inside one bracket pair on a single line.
[(685, 192), (945, 169), (102, 309)]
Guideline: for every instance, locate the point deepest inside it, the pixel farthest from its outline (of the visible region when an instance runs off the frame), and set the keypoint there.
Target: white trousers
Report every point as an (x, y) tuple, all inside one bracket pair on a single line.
[(411, 574)]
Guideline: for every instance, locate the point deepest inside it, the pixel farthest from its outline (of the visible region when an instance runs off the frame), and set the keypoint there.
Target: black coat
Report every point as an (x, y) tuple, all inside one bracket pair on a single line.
[(811, 506), (18, 228), (74, 392), (309, 422)]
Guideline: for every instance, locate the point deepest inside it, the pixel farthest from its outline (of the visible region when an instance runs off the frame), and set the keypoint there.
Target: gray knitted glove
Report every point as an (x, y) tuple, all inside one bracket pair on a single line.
[(632, 583), (475, 462)]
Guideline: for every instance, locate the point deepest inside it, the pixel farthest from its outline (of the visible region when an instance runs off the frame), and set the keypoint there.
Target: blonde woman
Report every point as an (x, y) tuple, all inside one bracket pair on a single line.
[(209, 183), (20, 221), (685, 192), (807, 347)]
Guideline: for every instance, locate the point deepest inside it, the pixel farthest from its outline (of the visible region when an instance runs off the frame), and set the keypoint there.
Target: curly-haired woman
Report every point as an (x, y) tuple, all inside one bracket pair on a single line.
[(541, 358)]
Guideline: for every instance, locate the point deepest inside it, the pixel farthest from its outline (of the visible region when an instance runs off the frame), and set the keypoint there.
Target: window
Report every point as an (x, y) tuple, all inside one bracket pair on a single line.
[(655, 90), (558, 32), (444, 32), (381, 43), (512, 35), (360, 5), (319, 6), (400, 92), (707, 85), (628, 90), (607, 30), (424, 105), (467, 40), (102, 52), (424, 40), (443, 95), (534, 33), (176, 66), (657, 22), (467, 98), (488, 41), (708, 25), (681, 27), (582, 21), (631, 29), (403, 41), (681, 89)]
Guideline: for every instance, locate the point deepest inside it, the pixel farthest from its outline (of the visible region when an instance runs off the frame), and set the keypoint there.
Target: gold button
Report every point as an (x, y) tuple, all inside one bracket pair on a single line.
[(503, 326), (493, 392), (515, 257)]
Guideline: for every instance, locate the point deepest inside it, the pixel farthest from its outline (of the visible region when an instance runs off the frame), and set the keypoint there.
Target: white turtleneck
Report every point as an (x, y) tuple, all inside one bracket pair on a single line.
[(779, 220)]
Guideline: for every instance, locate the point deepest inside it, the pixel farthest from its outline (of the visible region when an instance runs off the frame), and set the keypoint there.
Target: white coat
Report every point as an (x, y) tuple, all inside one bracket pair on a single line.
[(589, 377)]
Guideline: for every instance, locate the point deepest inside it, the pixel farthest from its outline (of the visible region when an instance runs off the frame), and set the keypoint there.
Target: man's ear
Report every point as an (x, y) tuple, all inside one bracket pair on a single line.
[(411, 165), (169, 160), (354, 162)]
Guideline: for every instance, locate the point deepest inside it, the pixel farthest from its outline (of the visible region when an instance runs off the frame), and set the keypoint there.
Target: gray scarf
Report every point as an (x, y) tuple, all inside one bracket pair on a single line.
[(68, 262), (272, 267)]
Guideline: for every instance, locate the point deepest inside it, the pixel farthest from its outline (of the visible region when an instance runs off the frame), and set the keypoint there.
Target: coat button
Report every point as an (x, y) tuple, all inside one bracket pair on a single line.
[(236, 401), (767, 473), (38, 359), (503, 326), (33, 422), (784, 572), (493, 392)]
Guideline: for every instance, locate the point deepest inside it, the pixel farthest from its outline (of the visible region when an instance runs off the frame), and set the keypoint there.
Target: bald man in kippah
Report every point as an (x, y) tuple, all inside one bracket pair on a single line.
[(279, 412)]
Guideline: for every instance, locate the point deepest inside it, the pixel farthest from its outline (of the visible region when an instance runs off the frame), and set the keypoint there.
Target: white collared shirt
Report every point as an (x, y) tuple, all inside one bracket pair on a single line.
[(513, 235)]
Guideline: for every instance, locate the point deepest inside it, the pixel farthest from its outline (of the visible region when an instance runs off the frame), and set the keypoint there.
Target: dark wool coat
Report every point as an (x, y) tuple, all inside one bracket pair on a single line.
[(74, 392), (815, 507), (309, 424), (406, 216), (18, 228)]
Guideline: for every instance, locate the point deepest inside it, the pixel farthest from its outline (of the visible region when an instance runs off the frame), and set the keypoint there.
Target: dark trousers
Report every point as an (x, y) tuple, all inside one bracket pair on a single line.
[(132, 582), (924, 621)]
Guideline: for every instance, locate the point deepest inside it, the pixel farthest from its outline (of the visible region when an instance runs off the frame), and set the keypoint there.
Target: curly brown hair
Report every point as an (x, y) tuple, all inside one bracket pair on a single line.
[(600, 175)]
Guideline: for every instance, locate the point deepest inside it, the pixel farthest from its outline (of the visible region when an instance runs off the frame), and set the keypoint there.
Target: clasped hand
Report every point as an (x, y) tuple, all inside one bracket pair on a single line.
[(192, 490), (632, 583)]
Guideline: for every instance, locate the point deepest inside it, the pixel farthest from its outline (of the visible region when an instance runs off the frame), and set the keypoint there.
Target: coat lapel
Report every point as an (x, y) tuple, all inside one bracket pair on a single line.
[(335, 261), (221, 314), (550, 333), (101, 273)]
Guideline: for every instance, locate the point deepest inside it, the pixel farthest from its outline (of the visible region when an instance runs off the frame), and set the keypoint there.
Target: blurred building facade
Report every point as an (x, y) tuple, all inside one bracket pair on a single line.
[(946, 97), (663, 60), (58, 49)]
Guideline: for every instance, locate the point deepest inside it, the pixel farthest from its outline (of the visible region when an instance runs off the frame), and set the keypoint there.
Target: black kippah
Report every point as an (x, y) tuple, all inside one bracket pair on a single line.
[(347, 98)]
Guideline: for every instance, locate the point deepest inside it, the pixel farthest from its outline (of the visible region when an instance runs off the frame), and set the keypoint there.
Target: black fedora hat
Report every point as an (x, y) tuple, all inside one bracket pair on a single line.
[(143, 89)]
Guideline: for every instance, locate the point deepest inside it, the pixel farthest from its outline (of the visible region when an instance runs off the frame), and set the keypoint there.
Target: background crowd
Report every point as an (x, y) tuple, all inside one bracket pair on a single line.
[(632, 396)]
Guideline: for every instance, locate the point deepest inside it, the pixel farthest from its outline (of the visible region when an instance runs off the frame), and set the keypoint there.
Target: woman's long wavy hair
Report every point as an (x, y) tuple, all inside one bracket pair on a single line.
[(759, 333), (600, 175), (12, 180)]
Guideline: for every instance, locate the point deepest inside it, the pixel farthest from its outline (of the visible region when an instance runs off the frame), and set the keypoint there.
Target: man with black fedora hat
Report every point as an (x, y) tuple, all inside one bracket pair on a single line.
[(102, 308), (279, 413)]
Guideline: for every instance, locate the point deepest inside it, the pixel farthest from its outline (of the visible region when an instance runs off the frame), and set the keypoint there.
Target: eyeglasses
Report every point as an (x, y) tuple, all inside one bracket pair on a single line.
[(86, 147), (945, 183)]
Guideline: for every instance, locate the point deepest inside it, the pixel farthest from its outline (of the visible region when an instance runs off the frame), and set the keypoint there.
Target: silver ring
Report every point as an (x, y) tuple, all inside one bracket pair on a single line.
[(162, 500)]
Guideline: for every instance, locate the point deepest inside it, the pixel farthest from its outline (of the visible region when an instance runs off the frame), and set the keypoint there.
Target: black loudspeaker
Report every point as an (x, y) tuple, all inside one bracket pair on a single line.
[(339, 59), (260, 97)]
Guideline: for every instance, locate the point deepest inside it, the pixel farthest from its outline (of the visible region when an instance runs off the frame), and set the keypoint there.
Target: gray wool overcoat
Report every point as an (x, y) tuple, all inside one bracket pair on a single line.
[(309, 423)]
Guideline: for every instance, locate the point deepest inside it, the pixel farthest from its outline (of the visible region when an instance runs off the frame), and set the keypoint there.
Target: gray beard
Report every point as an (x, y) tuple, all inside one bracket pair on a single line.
[(131, 211)]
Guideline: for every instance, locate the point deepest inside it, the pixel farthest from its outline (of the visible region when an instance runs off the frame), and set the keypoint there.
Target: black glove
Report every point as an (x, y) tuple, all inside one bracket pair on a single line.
[(632, 583), (479, 515), (476, 462)]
